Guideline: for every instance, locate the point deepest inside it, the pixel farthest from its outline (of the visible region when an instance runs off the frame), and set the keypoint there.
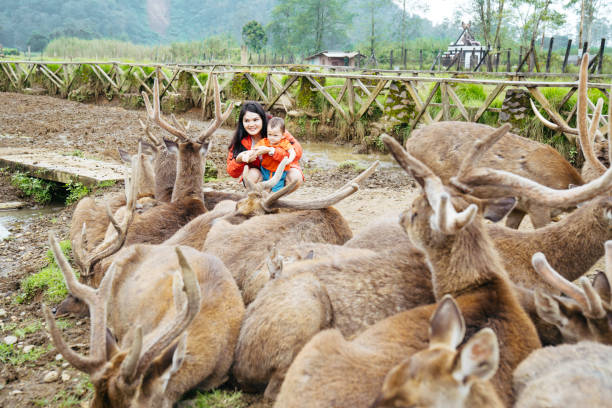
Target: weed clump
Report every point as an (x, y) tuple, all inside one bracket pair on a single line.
[(49, 280)]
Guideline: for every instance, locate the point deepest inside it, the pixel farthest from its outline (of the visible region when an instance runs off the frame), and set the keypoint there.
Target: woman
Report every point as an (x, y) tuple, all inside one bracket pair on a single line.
[(252, 127)]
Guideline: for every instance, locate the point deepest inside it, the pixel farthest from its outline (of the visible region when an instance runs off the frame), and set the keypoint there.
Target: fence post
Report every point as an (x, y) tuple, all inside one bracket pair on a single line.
[(567, 52), (497, 58), (585, 48), (391, 59), (508, 60), (550, 46), (520, 57), (440, 61), (405, 51), (601, 54), (421, 60)]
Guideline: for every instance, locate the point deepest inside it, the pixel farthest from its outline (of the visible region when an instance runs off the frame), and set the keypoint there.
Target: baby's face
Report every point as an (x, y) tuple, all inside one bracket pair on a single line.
[(274, 135)]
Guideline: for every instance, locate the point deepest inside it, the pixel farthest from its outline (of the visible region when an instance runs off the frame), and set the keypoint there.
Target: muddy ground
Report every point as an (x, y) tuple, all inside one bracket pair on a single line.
[(96, 131)]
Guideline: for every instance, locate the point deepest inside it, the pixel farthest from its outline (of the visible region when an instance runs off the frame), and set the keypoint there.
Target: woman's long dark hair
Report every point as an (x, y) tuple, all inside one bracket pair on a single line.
[(248, 106)]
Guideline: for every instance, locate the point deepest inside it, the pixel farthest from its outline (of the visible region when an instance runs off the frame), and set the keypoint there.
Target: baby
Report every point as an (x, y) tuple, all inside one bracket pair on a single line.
[(273, 150)]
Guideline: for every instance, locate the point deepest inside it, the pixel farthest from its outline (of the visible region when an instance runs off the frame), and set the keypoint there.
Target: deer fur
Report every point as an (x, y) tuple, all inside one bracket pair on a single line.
[(331, 371), (442, 376), (350, 288), (244, 247), (565, 376), (142, 273), (442, 147), (572, 245)]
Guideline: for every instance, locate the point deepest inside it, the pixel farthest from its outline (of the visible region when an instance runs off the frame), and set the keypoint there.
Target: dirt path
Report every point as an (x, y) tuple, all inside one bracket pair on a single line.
[(95, 131)]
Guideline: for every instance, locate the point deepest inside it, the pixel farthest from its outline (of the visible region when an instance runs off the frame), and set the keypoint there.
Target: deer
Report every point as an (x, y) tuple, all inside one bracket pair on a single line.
[(345, 288), (442, 376), (585, 315), (594, 147), (148, 354), (442, 146), (568, 375), (331, 371)]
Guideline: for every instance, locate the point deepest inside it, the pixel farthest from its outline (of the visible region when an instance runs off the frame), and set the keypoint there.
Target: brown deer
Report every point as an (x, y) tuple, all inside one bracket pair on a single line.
[(331, 371), (442, 147), (572, 375), (153, 352), (346, 288), (596, 152), (587, 313), (441, 376)]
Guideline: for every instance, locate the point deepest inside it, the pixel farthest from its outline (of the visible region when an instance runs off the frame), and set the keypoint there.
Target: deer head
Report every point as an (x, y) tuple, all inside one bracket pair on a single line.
[(260, 200), (191, 150), (137, 376), (587, 313), (442, 376)]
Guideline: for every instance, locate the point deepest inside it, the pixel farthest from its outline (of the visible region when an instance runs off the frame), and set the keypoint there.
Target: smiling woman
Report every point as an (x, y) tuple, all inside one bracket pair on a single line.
[(252, 128)]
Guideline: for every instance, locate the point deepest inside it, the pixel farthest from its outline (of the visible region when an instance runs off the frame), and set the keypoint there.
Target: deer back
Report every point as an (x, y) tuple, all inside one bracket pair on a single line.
[(442, 147), (567, 375)]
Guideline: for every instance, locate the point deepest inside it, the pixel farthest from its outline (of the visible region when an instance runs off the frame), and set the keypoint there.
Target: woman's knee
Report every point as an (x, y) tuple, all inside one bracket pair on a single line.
[(295, 175), (254, 175)]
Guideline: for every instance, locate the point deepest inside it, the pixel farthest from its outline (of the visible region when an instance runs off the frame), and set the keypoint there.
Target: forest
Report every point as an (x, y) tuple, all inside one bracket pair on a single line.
[(283, 27)]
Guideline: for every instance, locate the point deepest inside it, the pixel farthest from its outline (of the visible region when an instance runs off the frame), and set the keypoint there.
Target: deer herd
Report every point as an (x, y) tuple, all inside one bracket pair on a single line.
[(438, 306)]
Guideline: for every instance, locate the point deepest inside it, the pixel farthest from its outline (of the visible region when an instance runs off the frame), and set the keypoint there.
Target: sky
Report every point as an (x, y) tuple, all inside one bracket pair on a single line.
[(441, 9)]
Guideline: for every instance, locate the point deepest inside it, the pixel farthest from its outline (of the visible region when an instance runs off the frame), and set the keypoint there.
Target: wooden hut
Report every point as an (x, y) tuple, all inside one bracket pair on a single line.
[(335, 58)]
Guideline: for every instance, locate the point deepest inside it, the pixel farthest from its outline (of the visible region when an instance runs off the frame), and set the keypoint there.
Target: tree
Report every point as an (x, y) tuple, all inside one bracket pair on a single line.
[(588, 10), (37, 42), (310, 25), (490, 14), (532, 13), (254, 36)]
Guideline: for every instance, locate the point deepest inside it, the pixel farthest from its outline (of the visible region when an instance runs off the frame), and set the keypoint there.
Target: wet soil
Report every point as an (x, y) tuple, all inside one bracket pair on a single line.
[(58, 125)]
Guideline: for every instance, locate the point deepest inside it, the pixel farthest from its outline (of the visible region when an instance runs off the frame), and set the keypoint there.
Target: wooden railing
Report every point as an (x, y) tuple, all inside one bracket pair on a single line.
[(357, 90)]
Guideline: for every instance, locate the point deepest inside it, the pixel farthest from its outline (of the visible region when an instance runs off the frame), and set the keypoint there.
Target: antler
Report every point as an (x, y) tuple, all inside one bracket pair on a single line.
[(470, 175), (447, 219), (153, 114), (585, 135), (157, 141), (109, 247), (219, 119), (585, 295), (96, 300), (133, 369), (343, 192)]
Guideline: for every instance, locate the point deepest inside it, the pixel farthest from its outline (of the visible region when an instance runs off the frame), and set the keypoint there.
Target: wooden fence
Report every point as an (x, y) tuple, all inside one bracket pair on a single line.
[(430, 98)]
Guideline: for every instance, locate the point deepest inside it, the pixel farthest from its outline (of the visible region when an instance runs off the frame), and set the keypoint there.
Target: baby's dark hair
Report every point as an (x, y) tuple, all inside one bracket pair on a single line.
[(276, 123)]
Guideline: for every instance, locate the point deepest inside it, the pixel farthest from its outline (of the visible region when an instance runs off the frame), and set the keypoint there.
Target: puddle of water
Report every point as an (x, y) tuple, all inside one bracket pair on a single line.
[(328, 155), (9, 218)]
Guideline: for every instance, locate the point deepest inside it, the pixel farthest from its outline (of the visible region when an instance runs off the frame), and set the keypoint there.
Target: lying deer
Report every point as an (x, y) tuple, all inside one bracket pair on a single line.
[(331, 371), (576, 375), (346, 288), (441, 376), (153, 352)]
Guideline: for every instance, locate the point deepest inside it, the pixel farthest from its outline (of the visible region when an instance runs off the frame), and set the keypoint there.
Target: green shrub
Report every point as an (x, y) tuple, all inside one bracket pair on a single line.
[(9, 354), (49, 280), (40, 190), (76, 191)]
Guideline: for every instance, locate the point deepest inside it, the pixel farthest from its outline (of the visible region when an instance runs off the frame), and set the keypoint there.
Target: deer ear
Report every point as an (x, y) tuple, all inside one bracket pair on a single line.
[(147, 148), (447, 326), (479, 358), (205, 146), (111, 345), (125, 156), (172, 146), (601, 284), (496, 209)]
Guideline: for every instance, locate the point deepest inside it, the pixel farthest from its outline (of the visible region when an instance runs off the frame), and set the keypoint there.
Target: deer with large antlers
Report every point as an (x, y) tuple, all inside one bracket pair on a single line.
[(443, 146), (441, 376), (331, 371), (144, 353)]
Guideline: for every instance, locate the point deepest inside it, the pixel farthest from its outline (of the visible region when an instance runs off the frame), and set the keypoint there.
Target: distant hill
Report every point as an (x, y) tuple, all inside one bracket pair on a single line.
[(158, 21)]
